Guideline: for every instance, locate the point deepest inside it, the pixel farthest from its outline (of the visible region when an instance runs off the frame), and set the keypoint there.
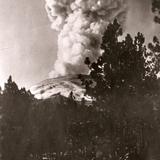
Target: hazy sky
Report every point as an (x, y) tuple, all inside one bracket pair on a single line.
[(28, 45)]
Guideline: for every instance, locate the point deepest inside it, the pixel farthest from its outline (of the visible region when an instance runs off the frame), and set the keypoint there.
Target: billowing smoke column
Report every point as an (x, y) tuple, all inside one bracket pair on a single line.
[(81, 24)]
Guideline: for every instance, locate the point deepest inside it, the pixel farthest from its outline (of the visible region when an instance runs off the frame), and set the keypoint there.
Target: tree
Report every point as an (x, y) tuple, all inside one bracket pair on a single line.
[(15, 107), (124, 65), (156, 10), (124, 84)]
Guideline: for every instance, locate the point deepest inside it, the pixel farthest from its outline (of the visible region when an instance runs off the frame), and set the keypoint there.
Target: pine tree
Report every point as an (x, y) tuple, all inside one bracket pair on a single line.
[(125, 66), (156, 10), (124, 84), (15, 106)]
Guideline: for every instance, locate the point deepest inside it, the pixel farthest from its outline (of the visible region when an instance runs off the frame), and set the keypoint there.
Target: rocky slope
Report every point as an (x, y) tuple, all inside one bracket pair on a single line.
[(62, 86)]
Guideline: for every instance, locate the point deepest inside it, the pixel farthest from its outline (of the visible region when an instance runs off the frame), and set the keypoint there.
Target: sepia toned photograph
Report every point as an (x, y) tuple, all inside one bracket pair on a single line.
[(79, 79)]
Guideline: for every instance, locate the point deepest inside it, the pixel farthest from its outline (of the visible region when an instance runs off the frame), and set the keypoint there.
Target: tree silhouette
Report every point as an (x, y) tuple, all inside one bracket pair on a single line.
[(15, 107), (124, 84), (126, 66), (156, 10)]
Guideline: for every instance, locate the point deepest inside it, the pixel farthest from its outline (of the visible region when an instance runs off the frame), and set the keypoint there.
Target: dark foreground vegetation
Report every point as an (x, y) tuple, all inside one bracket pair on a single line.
[(122, 123)]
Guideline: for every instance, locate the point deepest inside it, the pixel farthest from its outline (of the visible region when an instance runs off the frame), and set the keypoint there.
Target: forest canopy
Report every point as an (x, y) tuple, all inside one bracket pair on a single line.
[(128, 66)]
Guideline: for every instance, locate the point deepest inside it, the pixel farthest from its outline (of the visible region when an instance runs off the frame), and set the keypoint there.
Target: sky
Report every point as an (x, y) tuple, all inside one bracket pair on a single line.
[(28, 46), (140, 19)]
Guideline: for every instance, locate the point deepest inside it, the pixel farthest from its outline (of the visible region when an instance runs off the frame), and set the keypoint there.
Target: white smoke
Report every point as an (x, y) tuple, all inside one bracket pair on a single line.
[(81, 24)]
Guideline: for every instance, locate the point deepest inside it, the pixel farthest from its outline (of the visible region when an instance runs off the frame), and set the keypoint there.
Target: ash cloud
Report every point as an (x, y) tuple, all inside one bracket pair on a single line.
[(81, 24)]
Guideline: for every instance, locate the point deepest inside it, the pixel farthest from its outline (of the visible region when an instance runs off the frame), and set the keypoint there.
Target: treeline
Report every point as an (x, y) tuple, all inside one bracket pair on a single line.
[(122, 122)]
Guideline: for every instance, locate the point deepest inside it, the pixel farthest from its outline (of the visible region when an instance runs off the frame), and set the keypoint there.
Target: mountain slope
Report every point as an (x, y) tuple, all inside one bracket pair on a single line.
[(61, 85)]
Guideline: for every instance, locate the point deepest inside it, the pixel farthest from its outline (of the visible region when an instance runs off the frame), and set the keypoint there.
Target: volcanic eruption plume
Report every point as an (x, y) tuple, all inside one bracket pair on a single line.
[(81, 24)]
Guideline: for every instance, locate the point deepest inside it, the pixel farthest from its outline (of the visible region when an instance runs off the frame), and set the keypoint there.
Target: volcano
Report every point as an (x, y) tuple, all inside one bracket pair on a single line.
[(60, 86)]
